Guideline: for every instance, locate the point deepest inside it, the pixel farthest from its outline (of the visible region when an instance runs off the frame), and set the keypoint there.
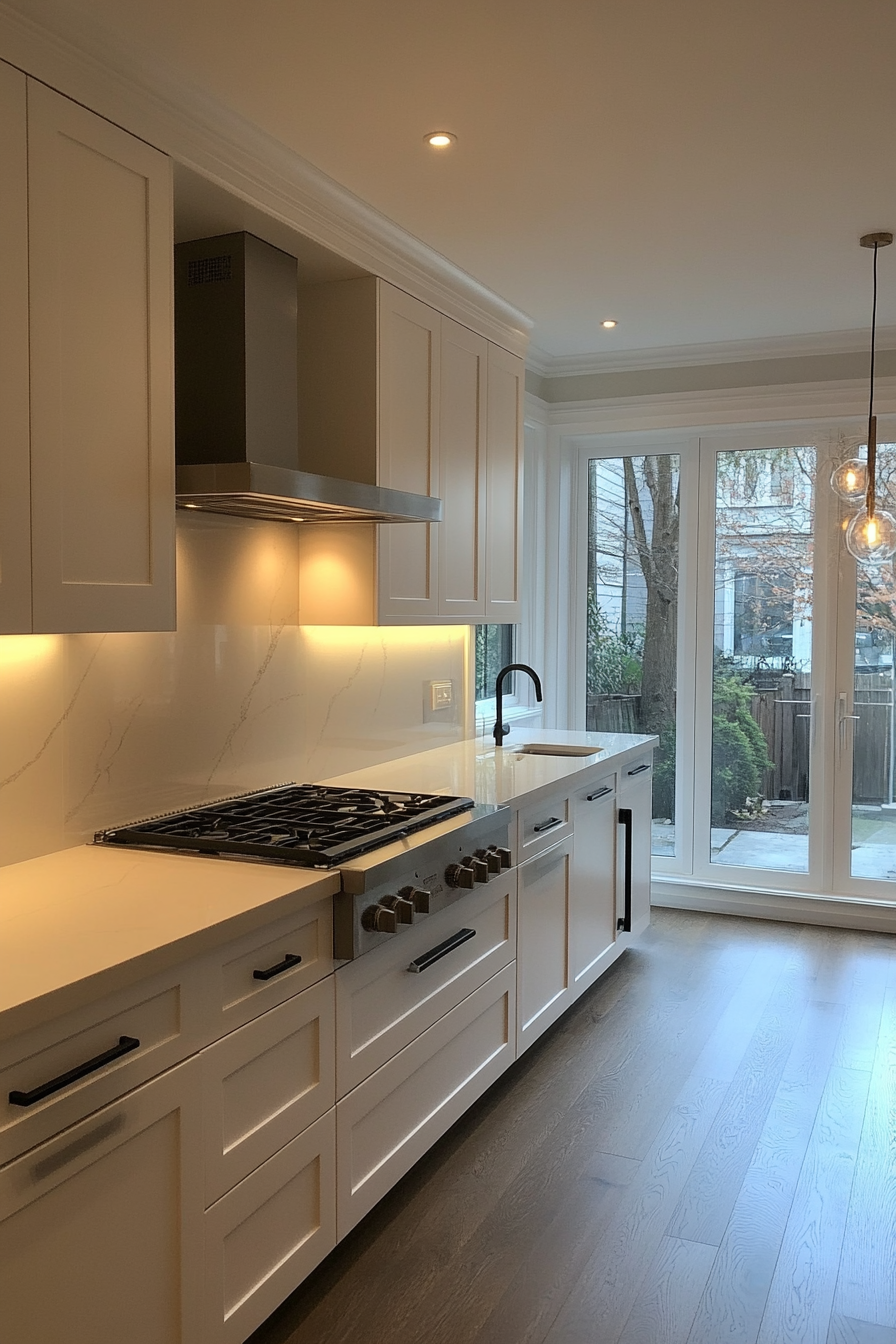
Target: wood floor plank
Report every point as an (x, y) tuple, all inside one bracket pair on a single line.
[(544, 1279), (846, 1330), (866, 1287), (722, 1055), (669, 1294), (733, 1304), (798, 1310), (712, 1189), (611, 1280)]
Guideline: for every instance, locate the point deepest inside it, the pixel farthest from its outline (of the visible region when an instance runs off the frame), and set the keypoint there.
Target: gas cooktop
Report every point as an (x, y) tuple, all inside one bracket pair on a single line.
[(309, 825)]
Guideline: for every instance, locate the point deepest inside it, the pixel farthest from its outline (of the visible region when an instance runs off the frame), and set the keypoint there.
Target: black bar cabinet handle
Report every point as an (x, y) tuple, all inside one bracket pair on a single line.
[(645, 765), (289, 960), (601, 793), (125, 1045), (624, 925), (437, 953), (546, 825)]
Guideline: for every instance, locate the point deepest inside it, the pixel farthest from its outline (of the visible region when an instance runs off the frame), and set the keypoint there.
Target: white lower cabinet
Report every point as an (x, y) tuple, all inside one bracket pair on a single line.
[(100, 1227), (592, 921), (265, 1083), (389, 1121), (634, 811), (268, 1233), (543, 969)]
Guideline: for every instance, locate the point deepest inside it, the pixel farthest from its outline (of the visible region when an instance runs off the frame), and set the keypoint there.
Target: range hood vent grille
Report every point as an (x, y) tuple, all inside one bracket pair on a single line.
[(253, 490)]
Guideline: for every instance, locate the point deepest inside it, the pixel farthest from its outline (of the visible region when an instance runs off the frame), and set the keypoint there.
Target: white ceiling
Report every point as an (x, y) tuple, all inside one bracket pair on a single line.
[(699, 169)]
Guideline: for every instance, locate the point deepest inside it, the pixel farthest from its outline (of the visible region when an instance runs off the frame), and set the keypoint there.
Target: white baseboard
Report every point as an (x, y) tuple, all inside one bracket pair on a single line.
[(839, 912)]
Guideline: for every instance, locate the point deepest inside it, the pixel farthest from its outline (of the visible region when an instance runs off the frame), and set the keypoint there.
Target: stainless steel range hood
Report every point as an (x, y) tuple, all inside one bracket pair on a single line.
[(237, 413)]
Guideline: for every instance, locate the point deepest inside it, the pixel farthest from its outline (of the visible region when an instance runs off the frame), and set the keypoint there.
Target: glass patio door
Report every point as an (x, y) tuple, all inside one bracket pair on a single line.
[(761, 808), (865, 741)]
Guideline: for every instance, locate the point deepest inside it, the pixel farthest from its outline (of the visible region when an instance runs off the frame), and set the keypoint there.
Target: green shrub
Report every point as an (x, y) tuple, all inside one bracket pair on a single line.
[(739, 751)]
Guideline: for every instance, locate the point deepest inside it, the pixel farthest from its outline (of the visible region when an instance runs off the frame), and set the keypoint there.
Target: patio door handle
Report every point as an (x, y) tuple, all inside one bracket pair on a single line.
[(844, 719)]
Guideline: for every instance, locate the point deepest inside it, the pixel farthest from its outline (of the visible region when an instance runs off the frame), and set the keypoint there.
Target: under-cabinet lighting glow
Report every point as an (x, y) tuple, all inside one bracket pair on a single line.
[(17, 650), (393, 636)]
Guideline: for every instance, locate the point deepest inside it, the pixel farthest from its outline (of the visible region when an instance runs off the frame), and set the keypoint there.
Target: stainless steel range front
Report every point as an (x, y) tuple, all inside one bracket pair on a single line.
[(401, 856)]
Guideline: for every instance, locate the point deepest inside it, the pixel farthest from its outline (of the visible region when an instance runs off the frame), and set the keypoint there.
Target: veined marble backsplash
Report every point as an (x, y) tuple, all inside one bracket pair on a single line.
[(99, 729)]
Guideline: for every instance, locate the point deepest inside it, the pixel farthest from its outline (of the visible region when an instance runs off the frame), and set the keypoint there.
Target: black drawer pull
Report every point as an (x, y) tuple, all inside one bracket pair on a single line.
[(601, 793), (289, 960), (437, 953), (645, 765), (547, 825), (125, 1045)]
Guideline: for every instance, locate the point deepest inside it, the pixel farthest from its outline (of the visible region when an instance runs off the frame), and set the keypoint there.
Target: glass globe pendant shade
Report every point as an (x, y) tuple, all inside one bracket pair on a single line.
[(849, 480), (872, 538)]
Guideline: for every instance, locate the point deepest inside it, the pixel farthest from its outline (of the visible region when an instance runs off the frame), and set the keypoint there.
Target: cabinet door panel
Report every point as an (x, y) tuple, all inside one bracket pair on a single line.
[(593, 887), (265, 1236), (504, 493), (15, 487), (636, 794), (114, 1206), (408, 451), (543, 979), (265, 1083), (100, 230), (462, 472), (390, 1120)]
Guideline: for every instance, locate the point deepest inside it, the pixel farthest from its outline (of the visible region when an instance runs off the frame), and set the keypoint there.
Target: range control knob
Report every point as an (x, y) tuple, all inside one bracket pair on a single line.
[(419, 896), (480, 870), (404, 909), (460, 875), (379, 919), (504, 856), (491, 859)]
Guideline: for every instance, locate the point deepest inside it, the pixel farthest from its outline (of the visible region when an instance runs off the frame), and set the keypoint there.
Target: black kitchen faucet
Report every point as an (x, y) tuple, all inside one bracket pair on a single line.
[(501, 728)]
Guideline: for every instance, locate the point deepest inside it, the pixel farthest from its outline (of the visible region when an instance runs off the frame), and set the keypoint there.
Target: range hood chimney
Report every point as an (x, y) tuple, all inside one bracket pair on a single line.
[(236, 382)]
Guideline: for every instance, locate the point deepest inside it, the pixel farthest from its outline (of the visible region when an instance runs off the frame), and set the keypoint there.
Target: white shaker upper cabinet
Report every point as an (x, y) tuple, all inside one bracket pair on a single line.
[(101, 344), (15, 513), (504, 490), (409, 452)]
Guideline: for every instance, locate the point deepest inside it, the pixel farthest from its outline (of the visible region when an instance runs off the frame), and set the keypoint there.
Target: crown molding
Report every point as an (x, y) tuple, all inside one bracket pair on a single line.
[(803, 402), (719, 352), (69, 51)]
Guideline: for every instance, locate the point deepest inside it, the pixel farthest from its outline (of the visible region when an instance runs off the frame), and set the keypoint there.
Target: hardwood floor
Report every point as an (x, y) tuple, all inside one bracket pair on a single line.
[(703, 1151)]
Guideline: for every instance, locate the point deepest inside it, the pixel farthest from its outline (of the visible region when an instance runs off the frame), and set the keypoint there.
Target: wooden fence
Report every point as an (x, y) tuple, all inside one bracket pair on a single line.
[(782, 712)]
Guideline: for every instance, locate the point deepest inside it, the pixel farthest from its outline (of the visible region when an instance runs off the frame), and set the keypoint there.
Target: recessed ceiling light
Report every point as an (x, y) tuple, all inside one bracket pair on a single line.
[(609, 323), (440, 139)]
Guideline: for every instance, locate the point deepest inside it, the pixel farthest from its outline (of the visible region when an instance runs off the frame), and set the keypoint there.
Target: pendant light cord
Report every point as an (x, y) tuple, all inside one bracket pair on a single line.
[(870, 493)]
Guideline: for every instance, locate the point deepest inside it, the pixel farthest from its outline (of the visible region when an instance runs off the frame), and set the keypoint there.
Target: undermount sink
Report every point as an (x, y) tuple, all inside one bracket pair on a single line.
[(555, 749)]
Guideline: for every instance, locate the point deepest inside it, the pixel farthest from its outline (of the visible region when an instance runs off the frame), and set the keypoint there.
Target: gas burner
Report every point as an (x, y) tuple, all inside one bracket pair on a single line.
[(310, 825)]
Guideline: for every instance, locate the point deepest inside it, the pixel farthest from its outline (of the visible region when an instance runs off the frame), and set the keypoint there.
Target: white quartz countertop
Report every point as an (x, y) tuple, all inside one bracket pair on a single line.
[(86, 921), (478, 769)]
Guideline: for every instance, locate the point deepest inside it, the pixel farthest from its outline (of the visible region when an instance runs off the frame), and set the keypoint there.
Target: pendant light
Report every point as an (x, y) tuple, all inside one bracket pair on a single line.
[(871, 534)]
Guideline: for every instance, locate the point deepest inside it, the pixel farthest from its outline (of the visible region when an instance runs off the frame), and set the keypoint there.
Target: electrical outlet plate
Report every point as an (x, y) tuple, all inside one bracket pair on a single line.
[(441, 695)]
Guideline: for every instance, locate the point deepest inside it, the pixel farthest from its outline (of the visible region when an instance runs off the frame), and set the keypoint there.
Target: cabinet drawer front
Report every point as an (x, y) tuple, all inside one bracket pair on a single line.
[(270, 952), (61, 1071), (100, 1227), (542, 824), (265, 1236), (387, 1123), (381, 1005), (543, 956), (265, 1083)]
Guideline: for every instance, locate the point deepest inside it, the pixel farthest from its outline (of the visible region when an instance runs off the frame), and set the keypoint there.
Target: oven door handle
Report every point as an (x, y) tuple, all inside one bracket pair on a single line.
[(441, 950)]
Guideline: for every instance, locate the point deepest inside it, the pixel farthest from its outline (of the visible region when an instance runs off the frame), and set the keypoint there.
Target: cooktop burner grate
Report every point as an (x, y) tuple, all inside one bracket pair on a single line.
[(310, 825)]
